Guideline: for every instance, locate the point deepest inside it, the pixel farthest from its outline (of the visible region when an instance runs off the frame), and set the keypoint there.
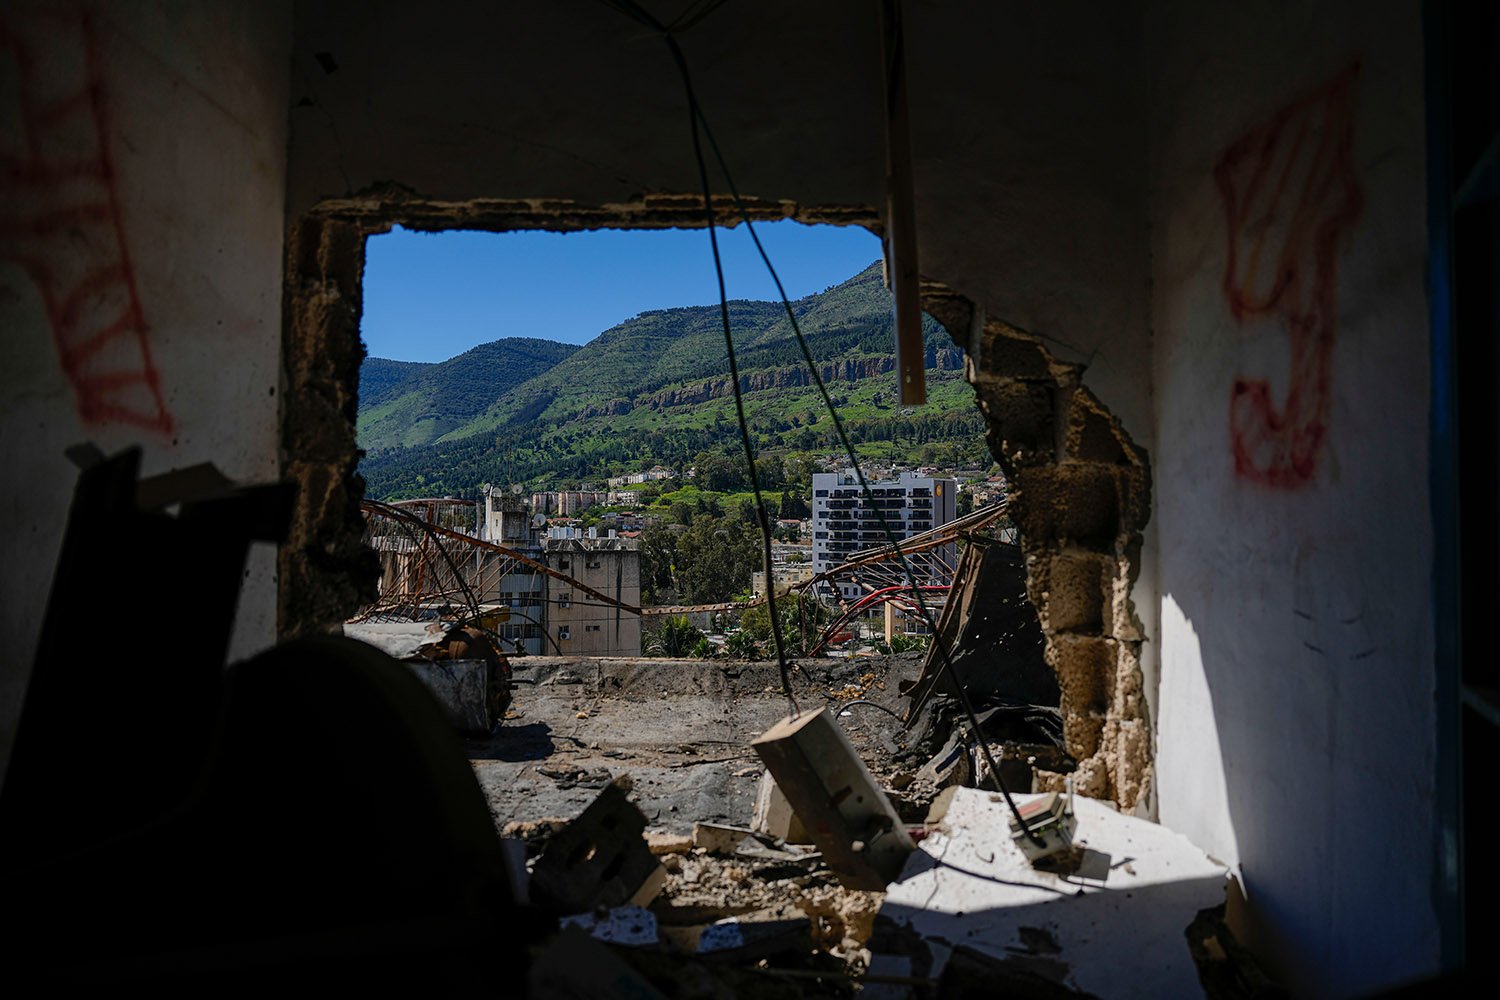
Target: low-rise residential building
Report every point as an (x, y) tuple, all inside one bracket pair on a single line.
[(786, 575), (909, 623), (568, 503), (579, 623), (506, 518), (651, 475)]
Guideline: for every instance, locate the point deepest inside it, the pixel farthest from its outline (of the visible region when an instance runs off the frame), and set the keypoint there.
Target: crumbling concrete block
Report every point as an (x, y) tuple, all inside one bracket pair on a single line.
[(773, 814), (660, 843), (1076, 585), (462, 688), (599, 859), (847, 815), (1085, 668), (1077, 502), (1091, 434), (716, 838), (1021, 419)]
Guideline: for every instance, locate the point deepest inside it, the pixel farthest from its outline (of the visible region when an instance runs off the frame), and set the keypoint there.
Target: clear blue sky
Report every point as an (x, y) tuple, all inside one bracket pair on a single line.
[(428, 296)]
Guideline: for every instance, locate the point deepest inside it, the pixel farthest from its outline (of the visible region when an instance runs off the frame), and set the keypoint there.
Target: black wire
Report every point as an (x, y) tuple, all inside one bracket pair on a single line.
[(843, 436), (695, 115), (700, 120), (872, 704)]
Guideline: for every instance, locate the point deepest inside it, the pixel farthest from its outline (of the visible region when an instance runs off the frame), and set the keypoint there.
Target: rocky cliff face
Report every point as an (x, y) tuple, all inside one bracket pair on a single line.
[(847, 370)]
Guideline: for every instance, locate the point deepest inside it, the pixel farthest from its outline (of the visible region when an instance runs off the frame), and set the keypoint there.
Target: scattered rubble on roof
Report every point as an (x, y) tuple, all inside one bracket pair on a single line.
[(657, 836)]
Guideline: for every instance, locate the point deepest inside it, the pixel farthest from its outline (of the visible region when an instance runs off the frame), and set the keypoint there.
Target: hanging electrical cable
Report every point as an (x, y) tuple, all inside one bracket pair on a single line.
[(699, 120), (762, 518), (838, 423)]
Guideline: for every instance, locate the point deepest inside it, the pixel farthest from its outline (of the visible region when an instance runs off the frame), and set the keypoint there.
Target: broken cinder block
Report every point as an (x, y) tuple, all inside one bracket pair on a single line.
[(773, 814), (659, 843), (845, 813), (716, 838), (599, 859)]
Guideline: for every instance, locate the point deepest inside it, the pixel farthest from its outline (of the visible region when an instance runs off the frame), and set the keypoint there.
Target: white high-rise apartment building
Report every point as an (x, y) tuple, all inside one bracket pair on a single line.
[(845, 521)]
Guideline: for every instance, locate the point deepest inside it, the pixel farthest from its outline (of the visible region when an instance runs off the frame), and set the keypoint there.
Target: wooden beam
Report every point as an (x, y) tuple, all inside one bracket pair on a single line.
[(902, 274)]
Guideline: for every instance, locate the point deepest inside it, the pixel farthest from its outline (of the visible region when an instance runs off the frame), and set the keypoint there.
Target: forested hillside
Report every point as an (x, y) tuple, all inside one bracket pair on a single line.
[(409, 403), (655, 389)]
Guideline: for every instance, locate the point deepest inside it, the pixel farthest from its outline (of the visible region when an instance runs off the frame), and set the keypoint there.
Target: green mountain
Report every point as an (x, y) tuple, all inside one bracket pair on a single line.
[(656, 389), (411, 403)]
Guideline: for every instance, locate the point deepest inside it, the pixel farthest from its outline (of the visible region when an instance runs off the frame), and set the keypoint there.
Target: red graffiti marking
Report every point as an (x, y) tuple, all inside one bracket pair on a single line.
[(60, 222), (1290, 196)]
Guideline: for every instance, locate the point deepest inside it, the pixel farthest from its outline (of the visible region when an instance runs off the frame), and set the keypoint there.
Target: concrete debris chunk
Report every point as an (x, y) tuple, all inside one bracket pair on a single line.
[(599, 859), (1034, 932), (773, 815), (716, 838), (949, 766), (660, 842), (462, 688), (628, 925), (846, 814)]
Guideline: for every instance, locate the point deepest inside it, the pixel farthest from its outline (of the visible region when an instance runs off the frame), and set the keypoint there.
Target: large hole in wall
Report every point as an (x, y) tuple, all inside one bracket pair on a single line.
[(1080, 499), (1080, 487)]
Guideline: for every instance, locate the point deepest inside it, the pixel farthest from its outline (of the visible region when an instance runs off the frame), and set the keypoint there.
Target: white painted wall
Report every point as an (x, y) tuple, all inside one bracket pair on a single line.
[(1296, 714), (193, 96)]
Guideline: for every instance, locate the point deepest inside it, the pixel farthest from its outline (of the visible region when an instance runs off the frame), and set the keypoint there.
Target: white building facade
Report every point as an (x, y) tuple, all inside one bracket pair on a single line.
[(845, 520)]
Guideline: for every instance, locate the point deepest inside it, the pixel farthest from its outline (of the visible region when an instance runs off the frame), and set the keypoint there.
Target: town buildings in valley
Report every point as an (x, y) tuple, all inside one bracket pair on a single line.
[(547, 616)]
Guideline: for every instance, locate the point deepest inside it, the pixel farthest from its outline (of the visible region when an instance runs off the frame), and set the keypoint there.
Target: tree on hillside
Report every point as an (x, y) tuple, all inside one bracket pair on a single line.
[(720, 473), (798, 472), (771, 471), (965, 502), (744, 512), (658, 551), (714, 559)]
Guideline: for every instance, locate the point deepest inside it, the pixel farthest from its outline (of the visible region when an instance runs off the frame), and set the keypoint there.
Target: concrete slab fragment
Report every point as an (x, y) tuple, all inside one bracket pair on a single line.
[(773, 815), (462, 687), (968, 888), (399, 640), (599, 859), (844, 811)]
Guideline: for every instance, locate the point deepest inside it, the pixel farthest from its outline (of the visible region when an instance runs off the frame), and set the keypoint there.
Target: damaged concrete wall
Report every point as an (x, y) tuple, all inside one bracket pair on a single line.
[(1080, 498), (140, 262), (1297, 720)]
